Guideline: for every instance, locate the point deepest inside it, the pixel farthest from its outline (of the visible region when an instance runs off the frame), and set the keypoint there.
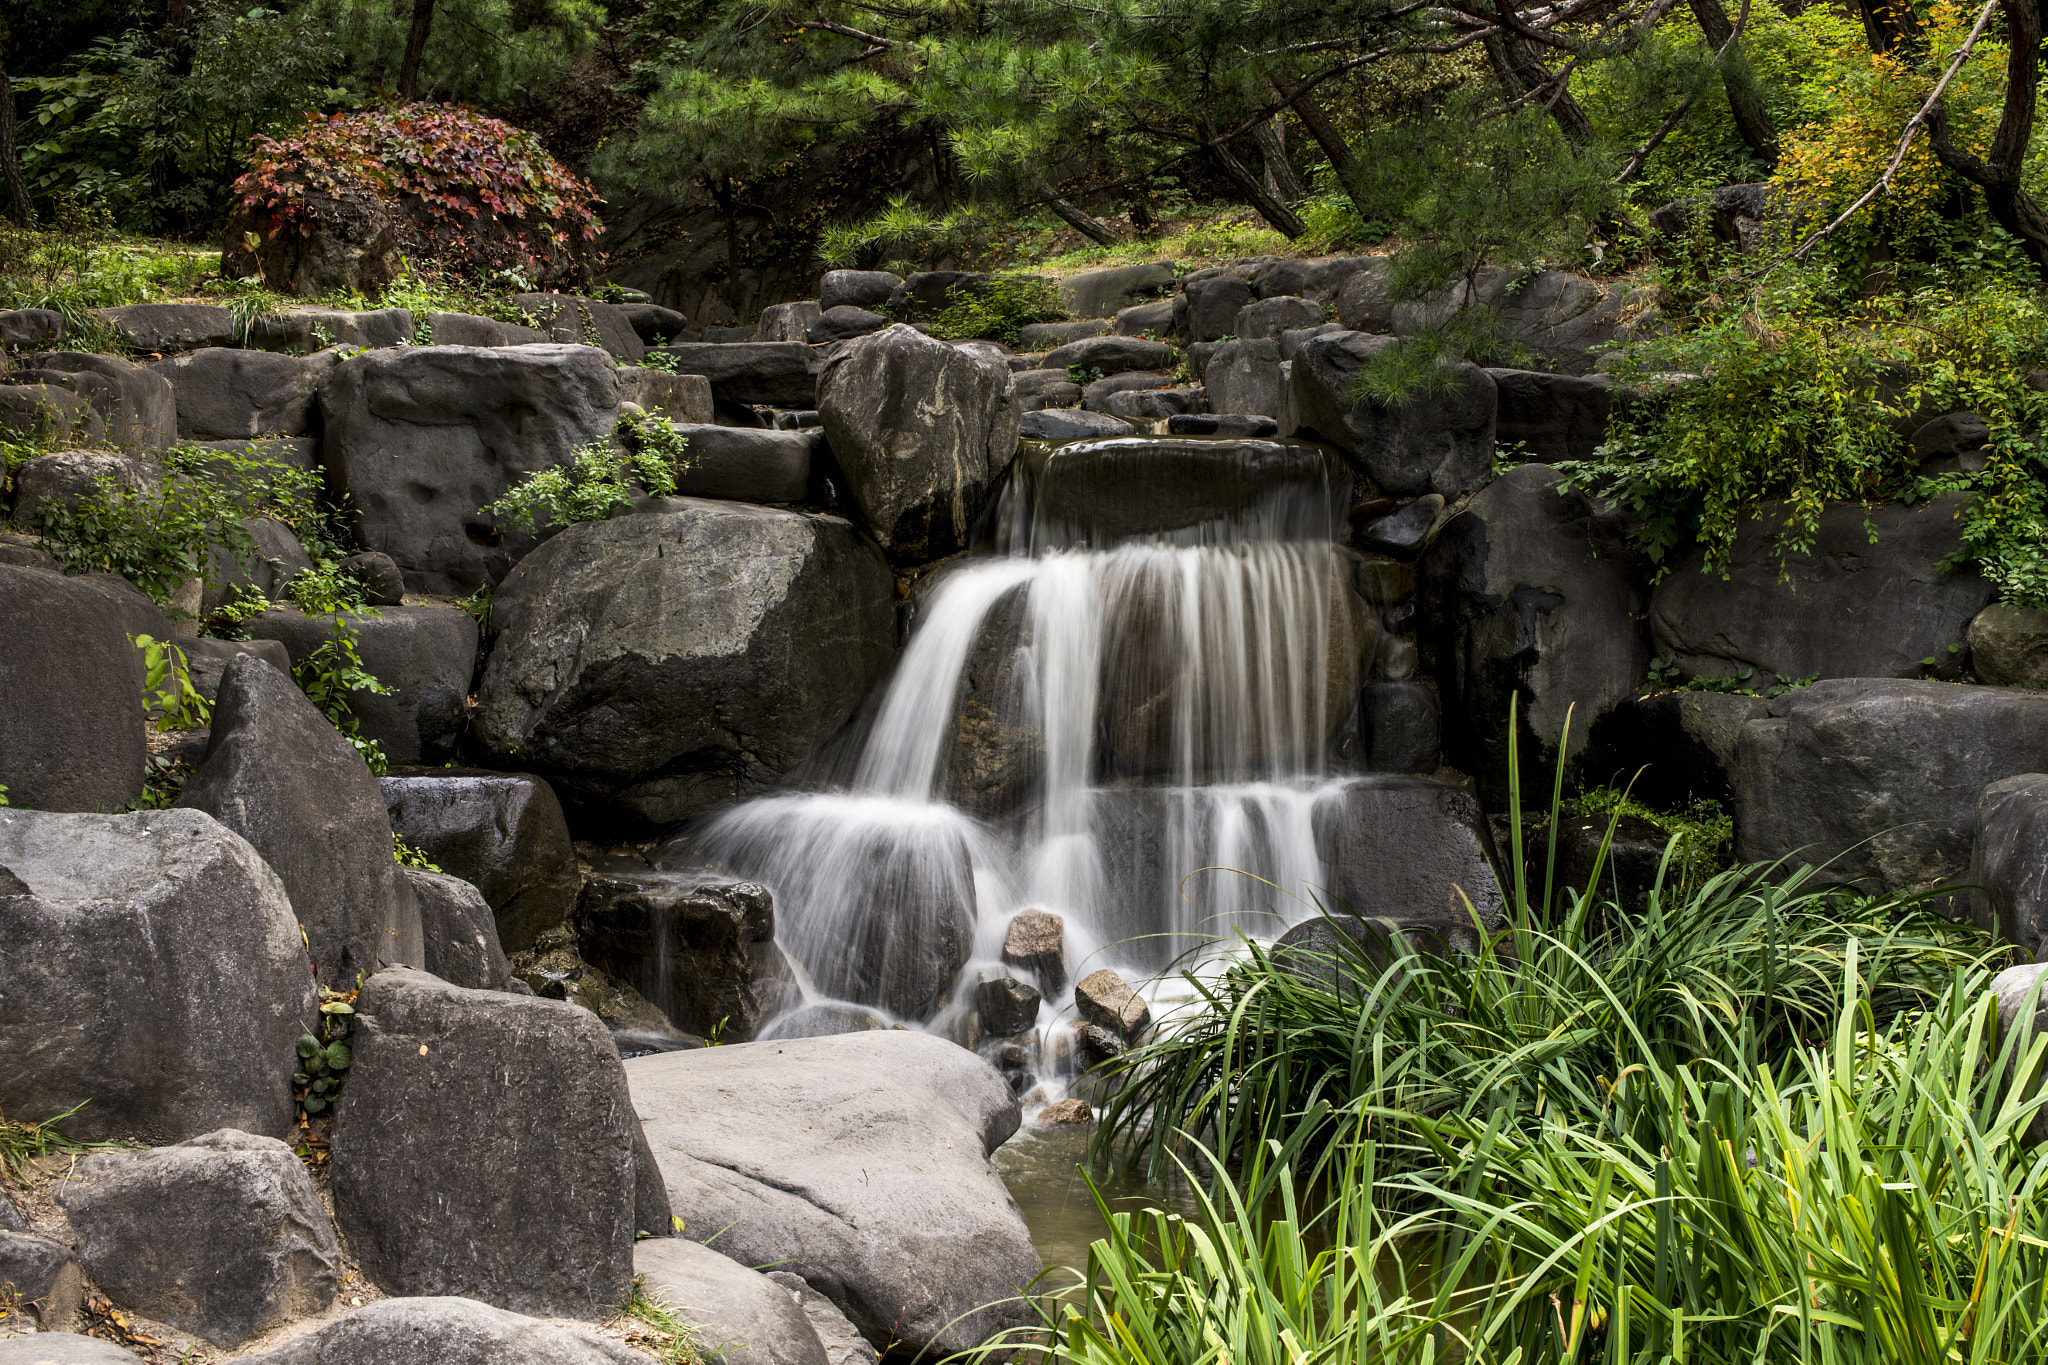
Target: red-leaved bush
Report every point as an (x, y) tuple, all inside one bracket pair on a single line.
[(469, 193)]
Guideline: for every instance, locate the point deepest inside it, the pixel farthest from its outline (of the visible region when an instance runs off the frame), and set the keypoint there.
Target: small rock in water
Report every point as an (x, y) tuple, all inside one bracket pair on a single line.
[(1066, 1111), (1006, 1006), (1107, 1000), (1037, 944), (1094, 1045)]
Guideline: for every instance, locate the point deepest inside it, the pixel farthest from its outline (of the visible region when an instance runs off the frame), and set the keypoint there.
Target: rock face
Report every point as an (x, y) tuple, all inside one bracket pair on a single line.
[(149, 964), (843, 1343), (1208, 305), (534, 1088), (447, 1331), (704, 952), (501, 832), (2009, 862), (70, 710), (1530, 592), (459, 932), (858, 1162), (280, 776), (1425, 445), (667, 663), (741, 1315), (1410, 850), (135, 407), (1243, 376), (1682, 742), (2009, 646), (921, 430), (1111, 355), (1850, 609), (221, 1236), (467, 329), (417, 439), (1882, 777), (301, 331), (1071, 424), (678, 397), (222, 394), (425, 655)]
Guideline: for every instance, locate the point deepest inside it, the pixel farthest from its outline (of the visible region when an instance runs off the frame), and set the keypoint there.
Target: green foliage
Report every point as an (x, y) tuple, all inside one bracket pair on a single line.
[(23, 1142), (424, 289), (996, 309), (167, 685), (599, 477), (1701, 833), (405, 855), (489, 53), (322, 1060), (667, 1337), (906, 230), (1666, 676), (331, 675), (163, 782)]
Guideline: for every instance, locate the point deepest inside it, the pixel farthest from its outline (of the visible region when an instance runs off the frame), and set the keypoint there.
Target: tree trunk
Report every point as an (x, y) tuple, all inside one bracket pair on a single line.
[(1077, 218), (1535, 76), (23, 211), (1329, 139), (415, 48), (1997, 173), (1745, 102), (1889, 25), (1272, 210), (1281, 181)]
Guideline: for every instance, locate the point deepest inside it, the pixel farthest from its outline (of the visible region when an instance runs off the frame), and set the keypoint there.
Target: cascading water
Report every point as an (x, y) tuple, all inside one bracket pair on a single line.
[(1141, 676)]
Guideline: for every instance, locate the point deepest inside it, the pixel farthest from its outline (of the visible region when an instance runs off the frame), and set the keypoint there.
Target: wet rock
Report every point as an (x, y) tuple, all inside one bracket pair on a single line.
[(223, 394), (42, 1276), (856, 288), (1072, 424), (135, 408), (826, 1021), (123, 931), (280, 776), (1347, 954), (1036, 942), (922, 430), (1244, 426), (778, 374), (1400, 728), (1111, 490), (1400, 535), (1147, 406), (585, 322), (553, 970), (1065, 1112), (1006, 1006), (1635, 853), (661, 665), (1676, 747), (1850, 609), (446, 1331), (2009, 862), (221, 1236), (1107, 1000), (417, 439), (425, 655), (169, 327), (533, 1087), (459, 932), (703, 952), (1408, 849), (1429, 444), (1880, 778), (1551, 416), (1111, 355), (858, 1162), (70, 707), (741, 1316), (501, 832), (2009, 646), (1096, 1045), (1105, 293)]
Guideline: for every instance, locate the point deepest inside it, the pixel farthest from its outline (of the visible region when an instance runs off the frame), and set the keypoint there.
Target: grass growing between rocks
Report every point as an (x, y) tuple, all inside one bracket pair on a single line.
[(654, 1327), (24, 1142)]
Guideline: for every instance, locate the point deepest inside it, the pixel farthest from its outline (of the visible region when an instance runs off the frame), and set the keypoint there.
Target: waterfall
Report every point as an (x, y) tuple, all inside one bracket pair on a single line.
[(1140, 677)]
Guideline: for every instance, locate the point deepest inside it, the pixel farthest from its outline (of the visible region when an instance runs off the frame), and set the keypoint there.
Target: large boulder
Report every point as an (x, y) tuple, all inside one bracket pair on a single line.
[(2009, 646), (135, 407), (1552, 417), (40, 1275), (1529, 592), (68, 478), (1106, 491), (921, 431), (1880, 779), (2022, 994), (503, 833), (445, 1331), (425, 655), (1208, 304), (485, 1146), (703, 951), (168, 327), (788, 321), (150, 970), (1320, 279), (776, 374), (664, 664), (1244, 376), (221, 1236), (1276, 313), (458, 931), (1675, 747), (856, 288), (302, 331), (747, 464), (280, 776), (740, 1315), (1850, 608), (31, 328), (279, 558), (2009, 862), (1105, 293), (418, 439), (858, 1162), (50, 414), (564, 317), (1111, 355), (467, 329), (1071, 424), (223, 394), (682, 398), (1432, 443), (70, 706)]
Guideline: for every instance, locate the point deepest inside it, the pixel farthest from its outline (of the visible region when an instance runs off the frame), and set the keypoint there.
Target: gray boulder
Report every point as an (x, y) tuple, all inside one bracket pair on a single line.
[(843, 1343), (467, 329), (1207, 306), (1245, 377), (63, 1348), (1071, 424), (207, 660), (66, 478), (926, 292), (302, 331), (657, 325), (1400, 730), (1400, 534), (70, 705), (682, 398), (42, 1276), (740, 1316), (746, 464), (169, 327), (383, 584), (458, 931), (451, 1093), (858, 1162), (1294, 338), (2009, 646), (221, 1236), (1880, 779), (1145, 319), (2009, 862), (1410, 850), (1039, 336), (418, 439), (1849, 609), (1681, 743), (225, 394), (292, 452), (1150, 405), (149, 964), (1111, 355), (1273, 314), (1036, 942), (788, 321), (586, 322), (921, 431), (2023, 1015), (503, 833), (703, 951), (1096, 396), (1005, 1006), (51, 414), (1551, 416), (842, 324), (1107, 491), (1105, 293), (1534, 593), (664, 664), (856, 288), (1107, 1001), (1239, 426), (135, 408), (441, 1331), (425, 655), (1428, 444), (278, 559), (777, 374), (280, 776), (1320, 279), (31, 328)]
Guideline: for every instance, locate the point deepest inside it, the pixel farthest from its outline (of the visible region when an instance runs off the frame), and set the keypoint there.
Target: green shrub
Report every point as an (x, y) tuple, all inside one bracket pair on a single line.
[(996, 310), (599, 478), (331, 675)]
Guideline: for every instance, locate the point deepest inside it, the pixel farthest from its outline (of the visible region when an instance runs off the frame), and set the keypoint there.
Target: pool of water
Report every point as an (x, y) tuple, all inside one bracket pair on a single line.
[(1042, 1167)]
